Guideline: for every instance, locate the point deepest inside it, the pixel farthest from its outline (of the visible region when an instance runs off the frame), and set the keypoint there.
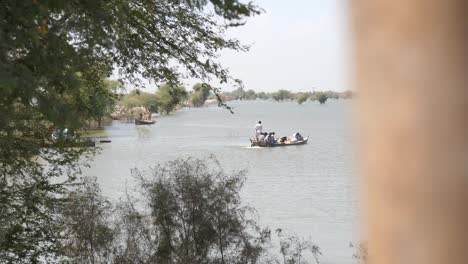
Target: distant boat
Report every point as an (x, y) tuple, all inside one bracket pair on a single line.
[(144, 122), (256, 143)]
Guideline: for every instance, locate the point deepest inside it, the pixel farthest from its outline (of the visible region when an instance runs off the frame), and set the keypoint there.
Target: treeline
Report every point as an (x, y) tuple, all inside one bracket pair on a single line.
[(168, 98), (285, 95), (165, 100)]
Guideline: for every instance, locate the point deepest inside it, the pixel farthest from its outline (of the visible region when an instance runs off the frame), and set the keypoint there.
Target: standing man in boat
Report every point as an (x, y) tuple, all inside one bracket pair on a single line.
[(258, 129)]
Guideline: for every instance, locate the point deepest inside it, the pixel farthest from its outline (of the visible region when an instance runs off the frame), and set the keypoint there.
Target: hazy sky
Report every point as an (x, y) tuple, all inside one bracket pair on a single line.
[(296, 45)]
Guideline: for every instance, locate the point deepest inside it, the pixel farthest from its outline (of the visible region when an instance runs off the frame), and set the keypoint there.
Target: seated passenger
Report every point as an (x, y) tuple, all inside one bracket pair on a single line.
[(271, 139), (293, 138), (299, 136)]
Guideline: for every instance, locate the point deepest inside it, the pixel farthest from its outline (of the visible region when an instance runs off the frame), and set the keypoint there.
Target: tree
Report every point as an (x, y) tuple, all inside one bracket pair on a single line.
[(88, 235), (292, 248), (169, 97), (30, 192), (98, 94), (281, 95), (187, 211), (200, 94), (239, 93), (263, 95), (321, 97), (196, 209), (250, 95), (302, 97), (47, 51), (150, 101)]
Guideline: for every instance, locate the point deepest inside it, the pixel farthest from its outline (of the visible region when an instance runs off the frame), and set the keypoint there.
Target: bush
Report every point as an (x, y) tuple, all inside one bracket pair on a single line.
[(302, 97), (87, 234), (189, 211), (281, 95), (201, 92), (322, 97), (293, 248), (198, 215)]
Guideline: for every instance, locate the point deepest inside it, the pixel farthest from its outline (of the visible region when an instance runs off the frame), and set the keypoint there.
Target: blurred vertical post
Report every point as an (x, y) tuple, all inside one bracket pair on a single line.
[(411, 78)]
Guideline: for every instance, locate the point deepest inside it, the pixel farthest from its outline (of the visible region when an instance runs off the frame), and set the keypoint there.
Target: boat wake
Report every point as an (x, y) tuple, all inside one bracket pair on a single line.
[(255, 147)]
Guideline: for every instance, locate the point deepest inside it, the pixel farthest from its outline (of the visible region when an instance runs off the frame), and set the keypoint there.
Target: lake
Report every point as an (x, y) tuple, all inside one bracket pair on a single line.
[(308, 189)]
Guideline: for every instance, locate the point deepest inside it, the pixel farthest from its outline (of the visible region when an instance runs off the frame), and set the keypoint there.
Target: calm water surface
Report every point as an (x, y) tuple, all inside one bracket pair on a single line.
[(307, 189)]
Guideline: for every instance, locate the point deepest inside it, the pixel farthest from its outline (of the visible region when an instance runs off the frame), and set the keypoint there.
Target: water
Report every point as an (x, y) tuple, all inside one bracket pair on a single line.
[(308, 189)]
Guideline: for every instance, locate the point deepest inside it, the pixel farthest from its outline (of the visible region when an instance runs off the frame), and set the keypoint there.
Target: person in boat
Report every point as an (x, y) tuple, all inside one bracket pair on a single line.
[(299, 136), (296, 137), (141, 116), (293, 139), (270, 139), (262, 136), (258, 129)]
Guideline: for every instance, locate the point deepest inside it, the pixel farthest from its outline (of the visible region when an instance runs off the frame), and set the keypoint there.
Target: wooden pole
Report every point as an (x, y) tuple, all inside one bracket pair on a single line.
[(411, 78)]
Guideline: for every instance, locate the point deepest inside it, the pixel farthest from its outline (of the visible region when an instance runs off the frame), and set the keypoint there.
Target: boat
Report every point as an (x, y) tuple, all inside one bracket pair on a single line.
[(255, 143), (144, 122)]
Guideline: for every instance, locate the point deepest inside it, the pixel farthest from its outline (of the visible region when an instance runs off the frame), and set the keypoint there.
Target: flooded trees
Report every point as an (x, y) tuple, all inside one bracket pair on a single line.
[(201, 91), (321, 97), (169, 97)]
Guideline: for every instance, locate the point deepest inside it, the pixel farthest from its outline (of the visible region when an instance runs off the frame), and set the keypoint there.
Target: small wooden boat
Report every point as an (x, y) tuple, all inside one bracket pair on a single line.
[(144, 122), (255, 143)]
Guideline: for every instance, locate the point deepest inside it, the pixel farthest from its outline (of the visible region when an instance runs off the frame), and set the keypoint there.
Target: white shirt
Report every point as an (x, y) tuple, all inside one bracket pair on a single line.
[(258, 128)]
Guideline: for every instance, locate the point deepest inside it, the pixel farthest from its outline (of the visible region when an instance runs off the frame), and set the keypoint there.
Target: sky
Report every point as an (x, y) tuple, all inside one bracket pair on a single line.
[(298, 45)]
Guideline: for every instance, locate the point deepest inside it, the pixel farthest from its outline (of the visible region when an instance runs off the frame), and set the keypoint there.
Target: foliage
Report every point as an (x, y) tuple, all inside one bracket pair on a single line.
[(188, 211), (135, 235), (165, 100), (128, 102), (98, 94), (54, 56), (169, 97), (198, 214), (322, 97), (200, 94), (281, 95), (238, 94), (302, 97), (250, 95), (150, 101), (29, 191), (138, 98), (263, 96), (87, 233), (292, 248)]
